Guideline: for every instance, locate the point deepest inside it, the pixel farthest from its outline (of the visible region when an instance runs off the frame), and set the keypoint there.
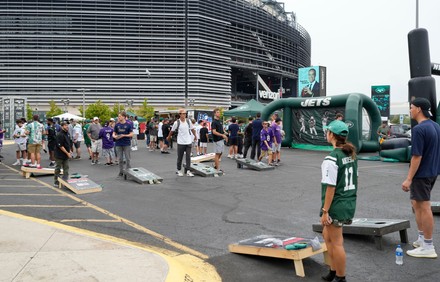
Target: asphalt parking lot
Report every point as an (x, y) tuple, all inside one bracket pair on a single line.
[(207, 214)]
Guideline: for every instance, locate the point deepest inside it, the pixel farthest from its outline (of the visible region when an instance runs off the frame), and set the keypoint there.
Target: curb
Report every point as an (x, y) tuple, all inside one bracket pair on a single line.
[(182, 267)]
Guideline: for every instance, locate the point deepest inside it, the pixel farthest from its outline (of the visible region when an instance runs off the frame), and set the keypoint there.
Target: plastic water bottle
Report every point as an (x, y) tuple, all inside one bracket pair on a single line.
[(399, 255)]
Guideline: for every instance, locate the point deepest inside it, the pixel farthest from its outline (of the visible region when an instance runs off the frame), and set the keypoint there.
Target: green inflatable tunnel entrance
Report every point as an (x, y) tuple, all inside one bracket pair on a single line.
[(304, 118)]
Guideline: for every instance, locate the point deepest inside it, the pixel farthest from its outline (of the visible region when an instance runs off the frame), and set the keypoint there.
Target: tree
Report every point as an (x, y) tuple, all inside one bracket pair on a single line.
[(117, 107), (100, 110), (54, 110), (29, 112), (145, 110)]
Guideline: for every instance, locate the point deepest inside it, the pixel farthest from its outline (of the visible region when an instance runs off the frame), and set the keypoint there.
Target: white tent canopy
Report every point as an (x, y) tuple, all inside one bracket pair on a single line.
[(67, 116)]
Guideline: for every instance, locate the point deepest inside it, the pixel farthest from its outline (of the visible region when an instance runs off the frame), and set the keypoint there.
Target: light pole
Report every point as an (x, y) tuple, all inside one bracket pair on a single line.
[(129, 103), (83, 90), (66, 103)]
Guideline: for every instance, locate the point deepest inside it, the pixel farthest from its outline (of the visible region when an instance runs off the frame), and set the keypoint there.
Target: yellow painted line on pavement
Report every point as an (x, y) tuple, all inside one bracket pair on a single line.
[(88, 220), (131, 223), (182, 267), (21, 179), (41, 206), (18, 194), (125, 221), (18, 185)]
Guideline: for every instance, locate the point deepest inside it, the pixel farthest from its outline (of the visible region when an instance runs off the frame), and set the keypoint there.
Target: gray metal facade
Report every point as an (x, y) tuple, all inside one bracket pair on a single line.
[(50, 49)]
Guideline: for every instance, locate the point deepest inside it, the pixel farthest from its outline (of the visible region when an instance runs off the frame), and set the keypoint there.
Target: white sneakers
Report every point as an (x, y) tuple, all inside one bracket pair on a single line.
[(422, 252), (417, 243), (188, 173), (17, 163)]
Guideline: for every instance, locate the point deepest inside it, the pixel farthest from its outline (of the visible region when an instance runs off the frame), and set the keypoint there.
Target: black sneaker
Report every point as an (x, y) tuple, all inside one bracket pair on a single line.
[(120, 175), (330, 276), (107, 164), (56, 184), (339, 279)]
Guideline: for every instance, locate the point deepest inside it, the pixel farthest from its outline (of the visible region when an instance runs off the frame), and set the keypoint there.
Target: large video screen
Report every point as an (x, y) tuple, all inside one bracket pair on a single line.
[(312, 82), (381, 96)]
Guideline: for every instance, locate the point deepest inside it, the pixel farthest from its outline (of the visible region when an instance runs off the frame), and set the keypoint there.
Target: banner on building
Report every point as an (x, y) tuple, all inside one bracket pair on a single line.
[(312, 82), (380, 94)]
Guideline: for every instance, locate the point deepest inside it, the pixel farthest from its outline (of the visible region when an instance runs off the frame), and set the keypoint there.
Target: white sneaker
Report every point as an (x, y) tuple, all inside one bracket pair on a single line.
[(189, 173), (230, 156), (421, 252), (17, 163), (179, 173), (418, 243)]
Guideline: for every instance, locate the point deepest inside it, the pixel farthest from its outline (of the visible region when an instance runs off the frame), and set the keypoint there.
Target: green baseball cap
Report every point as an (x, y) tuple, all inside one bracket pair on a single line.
[(338, 127)]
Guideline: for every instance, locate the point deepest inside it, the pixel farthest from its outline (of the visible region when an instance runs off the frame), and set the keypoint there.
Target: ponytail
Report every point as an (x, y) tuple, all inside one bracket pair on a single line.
[(347, 147)]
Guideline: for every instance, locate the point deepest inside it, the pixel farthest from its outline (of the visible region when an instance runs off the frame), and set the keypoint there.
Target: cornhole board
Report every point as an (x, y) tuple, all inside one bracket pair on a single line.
[(262, 246), (204, 170), (435, 207), (203, 158), (142, 176), (374, 227), (252, 164), (28, 171), (80, 185)]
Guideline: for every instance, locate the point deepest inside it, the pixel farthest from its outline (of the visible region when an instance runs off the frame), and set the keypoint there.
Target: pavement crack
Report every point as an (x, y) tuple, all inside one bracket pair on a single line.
[(33, 256)]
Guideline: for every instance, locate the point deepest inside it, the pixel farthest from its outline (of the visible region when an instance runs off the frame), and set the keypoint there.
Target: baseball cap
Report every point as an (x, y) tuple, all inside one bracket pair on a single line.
[(112, 119), (95, 118), (424, 105), (338, 127)]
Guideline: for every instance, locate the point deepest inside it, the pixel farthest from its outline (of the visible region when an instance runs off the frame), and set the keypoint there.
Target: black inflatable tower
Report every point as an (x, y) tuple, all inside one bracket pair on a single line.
[(421, 84)]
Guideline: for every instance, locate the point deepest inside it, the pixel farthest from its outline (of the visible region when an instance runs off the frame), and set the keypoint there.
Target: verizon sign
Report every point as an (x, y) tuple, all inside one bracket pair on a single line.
[(269, 95)]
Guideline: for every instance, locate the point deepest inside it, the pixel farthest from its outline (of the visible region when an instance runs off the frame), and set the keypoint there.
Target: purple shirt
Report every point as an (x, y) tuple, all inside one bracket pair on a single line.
[(266, 134), (276, 129), (106, 134)]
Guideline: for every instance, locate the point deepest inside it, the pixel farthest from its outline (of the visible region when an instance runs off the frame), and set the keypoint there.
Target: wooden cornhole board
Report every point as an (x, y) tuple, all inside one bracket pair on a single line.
[(374, 227), (142, 176), (28, 171), (204, 170), (203, 158), (262, 246), (252, 164), (435, 207), (81, 185)]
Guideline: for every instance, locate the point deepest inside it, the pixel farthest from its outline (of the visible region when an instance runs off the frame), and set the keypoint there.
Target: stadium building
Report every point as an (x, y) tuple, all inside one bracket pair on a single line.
[(172, 52)]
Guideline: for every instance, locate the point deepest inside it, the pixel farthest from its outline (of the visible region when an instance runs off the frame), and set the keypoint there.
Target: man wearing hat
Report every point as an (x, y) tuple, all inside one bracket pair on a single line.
[(422, 174), (93, 133)]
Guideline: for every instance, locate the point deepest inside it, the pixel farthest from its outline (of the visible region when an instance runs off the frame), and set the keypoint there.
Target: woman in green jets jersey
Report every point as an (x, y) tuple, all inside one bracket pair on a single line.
[(339, 187)]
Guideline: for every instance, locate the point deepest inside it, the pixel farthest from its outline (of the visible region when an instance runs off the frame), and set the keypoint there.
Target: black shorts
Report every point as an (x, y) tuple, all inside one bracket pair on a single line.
[(420, 189), (51, 146), (77, 144), (160, 138), (233, 141)]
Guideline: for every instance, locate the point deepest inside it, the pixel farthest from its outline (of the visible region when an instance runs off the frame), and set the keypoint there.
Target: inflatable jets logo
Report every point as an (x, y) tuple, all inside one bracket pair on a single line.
[(316, 102)]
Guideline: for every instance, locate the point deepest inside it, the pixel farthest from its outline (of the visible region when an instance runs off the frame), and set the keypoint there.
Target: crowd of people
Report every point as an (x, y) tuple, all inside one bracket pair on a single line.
[(115, 140)]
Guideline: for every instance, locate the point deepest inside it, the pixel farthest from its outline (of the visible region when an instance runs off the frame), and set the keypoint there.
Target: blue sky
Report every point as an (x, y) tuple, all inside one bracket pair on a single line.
[(364, 43)]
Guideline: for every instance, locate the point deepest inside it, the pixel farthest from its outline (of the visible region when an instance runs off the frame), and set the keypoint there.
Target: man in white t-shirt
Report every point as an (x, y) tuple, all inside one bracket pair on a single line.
[(77, 138), (184, 129), (20, 138), (160, 134), (134, 143)]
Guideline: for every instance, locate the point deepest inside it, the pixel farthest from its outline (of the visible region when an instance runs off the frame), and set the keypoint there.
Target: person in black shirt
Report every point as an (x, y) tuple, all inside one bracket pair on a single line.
[(51, 134), (247, 137), (62, 153), (204, 138), (165, 131), (257, 125), (218, 135)]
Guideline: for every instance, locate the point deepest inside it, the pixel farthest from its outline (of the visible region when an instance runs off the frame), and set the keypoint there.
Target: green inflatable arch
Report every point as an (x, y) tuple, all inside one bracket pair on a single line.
[(350, 105)]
